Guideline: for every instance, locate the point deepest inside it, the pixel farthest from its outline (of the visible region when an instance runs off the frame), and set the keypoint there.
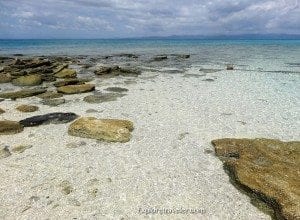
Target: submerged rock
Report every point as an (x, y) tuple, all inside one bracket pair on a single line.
[(27, 108), (53, 102), (51, 118), (229, 67), (73, 89), (22, 93), (105, 97), (209, 70), (4, 152), (116, 89), (50, 95), (66, 187), (160, 58), (267, 168), (20, 148), (30, 80), (111, 130), (10, 127), (66, 73)]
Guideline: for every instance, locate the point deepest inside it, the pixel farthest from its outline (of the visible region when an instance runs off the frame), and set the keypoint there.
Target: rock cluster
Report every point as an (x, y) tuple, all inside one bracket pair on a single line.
[(116, 70), (269, 169)]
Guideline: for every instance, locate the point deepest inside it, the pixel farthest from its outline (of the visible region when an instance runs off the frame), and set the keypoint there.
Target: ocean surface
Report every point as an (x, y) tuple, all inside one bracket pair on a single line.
[(268, 55)]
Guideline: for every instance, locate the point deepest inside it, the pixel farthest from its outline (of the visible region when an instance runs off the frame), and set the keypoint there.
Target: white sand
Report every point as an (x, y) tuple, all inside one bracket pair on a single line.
[(160, 167)]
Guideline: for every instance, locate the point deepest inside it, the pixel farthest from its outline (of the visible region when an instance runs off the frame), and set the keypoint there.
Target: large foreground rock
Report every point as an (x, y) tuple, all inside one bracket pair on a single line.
[(10, 127), (73, 89), (111, 130), (51, 118), (22, 93), (269, 169)]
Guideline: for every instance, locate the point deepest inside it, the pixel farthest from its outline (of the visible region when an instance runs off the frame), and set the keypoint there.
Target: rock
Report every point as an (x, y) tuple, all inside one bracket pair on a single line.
[(50, 95), (5, 78), (111, 130), (105, 97), (22, 93), (267, 168), (91, 111), (36, 63), (183, 56), (27, 108), (116, 89), (66, 73), (10, 127), (66, 187), (4, 152), (116, 70), (160, 58), (1, 111), (208, 80), (229, 67), (75, 144), (30, 80), (209, 70), (53, 102), (20, 148), (68, 82), (73, 89), (51, 118), (60, 67)]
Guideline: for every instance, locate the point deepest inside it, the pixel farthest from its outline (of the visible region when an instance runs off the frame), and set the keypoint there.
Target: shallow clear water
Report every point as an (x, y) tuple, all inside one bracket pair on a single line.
[(268, 55)]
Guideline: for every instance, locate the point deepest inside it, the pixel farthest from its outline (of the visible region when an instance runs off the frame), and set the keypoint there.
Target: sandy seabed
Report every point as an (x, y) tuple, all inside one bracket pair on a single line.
[(169, 162)]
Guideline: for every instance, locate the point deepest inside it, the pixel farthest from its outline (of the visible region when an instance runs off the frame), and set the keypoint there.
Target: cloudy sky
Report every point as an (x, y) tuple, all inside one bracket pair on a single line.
[(136, 18)]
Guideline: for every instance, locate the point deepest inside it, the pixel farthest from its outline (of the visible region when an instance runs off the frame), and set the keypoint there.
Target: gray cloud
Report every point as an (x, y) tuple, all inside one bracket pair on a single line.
[(126, 18)]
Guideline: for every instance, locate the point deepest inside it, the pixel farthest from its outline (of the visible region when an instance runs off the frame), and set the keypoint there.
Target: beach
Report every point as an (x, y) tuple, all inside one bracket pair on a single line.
[(178, 105)]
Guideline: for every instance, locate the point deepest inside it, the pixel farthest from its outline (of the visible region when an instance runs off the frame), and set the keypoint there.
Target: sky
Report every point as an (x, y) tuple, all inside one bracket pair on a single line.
[(142, 18)]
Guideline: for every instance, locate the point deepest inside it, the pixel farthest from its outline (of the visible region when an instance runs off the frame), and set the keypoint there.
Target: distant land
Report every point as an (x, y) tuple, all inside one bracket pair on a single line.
[(232, 37)]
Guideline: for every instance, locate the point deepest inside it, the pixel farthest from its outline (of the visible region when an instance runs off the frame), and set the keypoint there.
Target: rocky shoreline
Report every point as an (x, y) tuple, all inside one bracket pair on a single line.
[(268, 168)]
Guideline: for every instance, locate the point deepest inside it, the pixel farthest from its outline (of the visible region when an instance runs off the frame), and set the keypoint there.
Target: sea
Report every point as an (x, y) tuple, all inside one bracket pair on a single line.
[(267, 55)]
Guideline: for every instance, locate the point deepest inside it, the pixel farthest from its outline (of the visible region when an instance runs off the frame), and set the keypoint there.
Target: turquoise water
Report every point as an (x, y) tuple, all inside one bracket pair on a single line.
[(93, 47), (274, 55)]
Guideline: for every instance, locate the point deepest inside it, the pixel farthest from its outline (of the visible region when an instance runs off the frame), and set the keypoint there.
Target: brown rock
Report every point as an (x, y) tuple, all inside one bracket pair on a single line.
[(116, 70), (30, 80), (73, 89), (111, 130), (10, 127), (66, 73), (1, 111), (50, 95), (22, 93), (67, 82), (269, 169), (27, 108), (5, 78)]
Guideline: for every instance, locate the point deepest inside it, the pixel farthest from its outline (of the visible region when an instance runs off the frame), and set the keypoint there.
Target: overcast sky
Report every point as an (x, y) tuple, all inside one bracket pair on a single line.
[(136, 18)]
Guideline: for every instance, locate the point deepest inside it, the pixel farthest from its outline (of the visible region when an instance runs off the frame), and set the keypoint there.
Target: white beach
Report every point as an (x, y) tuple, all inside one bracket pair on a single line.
[(169, 161)]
